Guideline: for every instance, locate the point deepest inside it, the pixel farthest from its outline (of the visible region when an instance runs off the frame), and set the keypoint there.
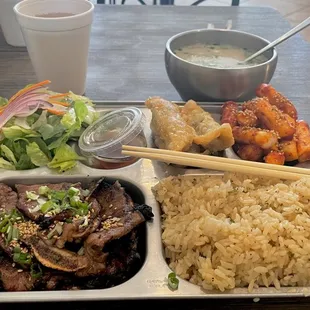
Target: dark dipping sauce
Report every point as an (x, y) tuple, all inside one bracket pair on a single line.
[(101, 143), (117, 162)]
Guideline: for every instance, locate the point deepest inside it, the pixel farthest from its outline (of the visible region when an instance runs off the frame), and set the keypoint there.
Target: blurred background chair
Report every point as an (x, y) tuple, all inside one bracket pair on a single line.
[(161, 2)]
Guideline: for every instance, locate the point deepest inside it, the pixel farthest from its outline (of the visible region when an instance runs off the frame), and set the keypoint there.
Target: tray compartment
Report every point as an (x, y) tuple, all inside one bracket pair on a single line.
[(137, 196)]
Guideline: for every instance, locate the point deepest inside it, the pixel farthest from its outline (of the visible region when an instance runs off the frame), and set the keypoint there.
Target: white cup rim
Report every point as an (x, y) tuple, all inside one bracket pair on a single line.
[(23, 3)]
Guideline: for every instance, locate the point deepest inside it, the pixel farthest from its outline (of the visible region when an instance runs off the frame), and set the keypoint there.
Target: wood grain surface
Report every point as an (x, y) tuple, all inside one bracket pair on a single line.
[(126, 62)]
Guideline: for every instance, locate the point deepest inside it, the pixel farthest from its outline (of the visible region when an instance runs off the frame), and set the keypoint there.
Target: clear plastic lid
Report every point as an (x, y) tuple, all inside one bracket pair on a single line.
[(106, 136)]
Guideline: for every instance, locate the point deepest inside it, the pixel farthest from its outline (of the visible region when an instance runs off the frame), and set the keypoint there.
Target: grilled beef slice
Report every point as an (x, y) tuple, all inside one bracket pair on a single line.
[(8, 198), (119, 218), (25, 205), (76, 230), (12, 279), (113, 200), (95, 244)]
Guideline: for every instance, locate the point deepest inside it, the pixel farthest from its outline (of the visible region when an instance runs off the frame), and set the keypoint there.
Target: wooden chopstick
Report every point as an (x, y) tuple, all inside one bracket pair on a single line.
[(217, 163), (219, 159)]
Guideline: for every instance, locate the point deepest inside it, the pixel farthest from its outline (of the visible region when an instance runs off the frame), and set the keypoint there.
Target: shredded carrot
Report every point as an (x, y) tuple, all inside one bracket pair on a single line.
[(26, 90), (56, 112), (59, 95), (64, 104)]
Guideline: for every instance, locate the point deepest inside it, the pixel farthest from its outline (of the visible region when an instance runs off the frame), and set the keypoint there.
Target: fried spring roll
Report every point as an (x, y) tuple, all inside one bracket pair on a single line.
[(229, 113), (275, 158), (289, 148), (303, 141), (266, 139), (247, 118), (274, 119), (277, 99), (250, 152), (170, 130)]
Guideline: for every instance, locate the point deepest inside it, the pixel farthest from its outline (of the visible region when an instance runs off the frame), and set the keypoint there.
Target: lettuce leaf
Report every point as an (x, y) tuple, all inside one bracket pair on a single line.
[(8, 154), (42, 145), (14, 132), (91, 116), (73, 97), (37, 157), (72, 120), (65, 158), (24, 163), (17, 146), (48, 127), (81, 112), (4, 164), (21, 122), (75, 116), (69, 119), (59, 141), (31, 119), (42, 120)]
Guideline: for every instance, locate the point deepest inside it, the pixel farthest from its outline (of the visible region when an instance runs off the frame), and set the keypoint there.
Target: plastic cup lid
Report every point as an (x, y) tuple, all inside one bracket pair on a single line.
[(114, 129)]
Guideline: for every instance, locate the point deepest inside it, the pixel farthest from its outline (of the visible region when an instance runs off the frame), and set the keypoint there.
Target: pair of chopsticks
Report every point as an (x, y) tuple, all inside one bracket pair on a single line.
[(217, 163)]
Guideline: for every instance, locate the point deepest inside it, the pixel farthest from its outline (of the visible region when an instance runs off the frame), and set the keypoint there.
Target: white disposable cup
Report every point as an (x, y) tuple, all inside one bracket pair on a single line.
[(9, 24), (58, 46)]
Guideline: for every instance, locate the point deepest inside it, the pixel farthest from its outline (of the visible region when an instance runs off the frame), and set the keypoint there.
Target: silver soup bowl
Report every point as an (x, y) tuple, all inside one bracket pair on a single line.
[(203, 83)]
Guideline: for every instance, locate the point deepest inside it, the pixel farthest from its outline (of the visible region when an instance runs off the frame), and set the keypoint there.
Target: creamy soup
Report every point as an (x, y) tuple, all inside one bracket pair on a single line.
[(218, 56)]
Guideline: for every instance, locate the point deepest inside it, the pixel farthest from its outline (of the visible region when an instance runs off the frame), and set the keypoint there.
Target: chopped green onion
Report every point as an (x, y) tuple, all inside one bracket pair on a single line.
[(5, 228), (15, 233), (9, 234), (47, 206), (58, 195), (74, 201), (82, 208), (44, 190), (73, 192), (60, 200), (32, 195), (7, 225), (173, 281), (21, 258), (3, 224)]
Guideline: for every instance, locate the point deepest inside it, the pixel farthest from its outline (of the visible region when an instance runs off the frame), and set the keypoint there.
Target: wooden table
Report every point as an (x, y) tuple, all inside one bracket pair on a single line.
[(126, 60), (127, 63)]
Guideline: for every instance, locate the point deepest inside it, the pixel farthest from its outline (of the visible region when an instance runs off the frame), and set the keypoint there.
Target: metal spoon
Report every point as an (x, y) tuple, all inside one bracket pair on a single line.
[(284, 37)]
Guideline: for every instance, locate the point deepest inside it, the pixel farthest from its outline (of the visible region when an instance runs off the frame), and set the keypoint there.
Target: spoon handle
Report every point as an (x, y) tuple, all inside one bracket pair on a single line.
[(284, 37)]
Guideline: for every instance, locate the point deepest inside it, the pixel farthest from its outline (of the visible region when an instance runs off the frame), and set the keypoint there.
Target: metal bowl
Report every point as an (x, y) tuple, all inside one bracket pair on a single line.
[(202, 83)]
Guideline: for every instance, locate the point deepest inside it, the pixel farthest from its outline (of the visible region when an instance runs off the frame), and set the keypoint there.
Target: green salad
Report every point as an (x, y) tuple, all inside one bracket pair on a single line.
[(39, 128)]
